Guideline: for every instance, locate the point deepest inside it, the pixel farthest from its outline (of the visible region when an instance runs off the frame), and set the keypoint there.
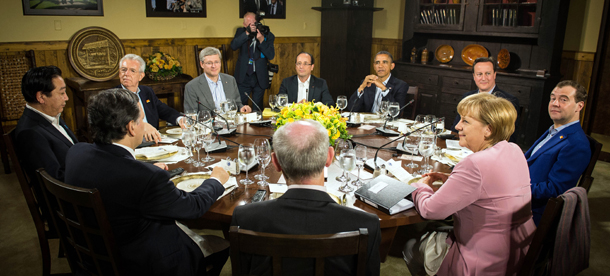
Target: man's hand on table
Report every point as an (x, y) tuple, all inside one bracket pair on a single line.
[(219, 173), (162, 166), (245, 109), (151, 133)]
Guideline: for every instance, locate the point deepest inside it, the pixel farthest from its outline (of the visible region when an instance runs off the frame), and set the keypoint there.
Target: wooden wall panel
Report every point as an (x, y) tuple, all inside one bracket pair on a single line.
[(577, 66)]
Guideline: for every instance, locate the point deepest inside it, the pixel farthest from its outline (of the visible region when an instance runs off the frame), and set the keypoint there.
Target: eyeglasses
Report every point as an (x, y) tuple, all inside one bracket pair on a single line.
[(302, 64), (210, 63)]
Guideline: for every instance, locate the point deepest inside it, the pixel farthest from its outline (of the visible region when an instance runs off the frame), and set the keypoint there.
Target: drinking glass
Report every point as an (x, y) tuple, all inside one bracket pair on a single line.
[(191, 118), (197, 145), (341, 102), (426, 149), (246, 156), (208, 139), (393, 109), (187, 139), (341, 144), (383, 108), (419, 121), (360, 160), (428, 119), (347, 158), (204, 117), (411, 143), (282, 100), (262, 148), (273, 104)]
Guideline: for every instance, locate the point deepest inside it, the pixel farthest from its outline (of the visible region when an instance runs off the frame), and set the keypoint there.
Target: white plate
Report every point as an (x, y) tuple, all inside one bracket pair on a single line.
[(175, 131), (190, 184)]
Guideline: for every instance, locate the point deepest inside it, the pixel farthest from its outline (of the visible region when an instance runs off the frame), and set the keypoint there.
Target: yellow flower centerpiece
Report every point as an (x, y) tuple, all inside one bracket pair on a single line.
[(329, 117), (162, 66)]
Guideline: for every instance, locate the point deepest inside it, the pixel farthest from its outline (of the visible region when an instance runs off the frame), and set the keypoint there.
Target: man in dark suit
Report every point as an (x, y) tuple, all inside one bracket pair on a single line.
[(276, 9), (212, 87), (304, 86), (254, 6), (255, 49), (301, 151), (141, 202), (42, 138), (131, 72), (380, 87), (484, 74), (560, 156)]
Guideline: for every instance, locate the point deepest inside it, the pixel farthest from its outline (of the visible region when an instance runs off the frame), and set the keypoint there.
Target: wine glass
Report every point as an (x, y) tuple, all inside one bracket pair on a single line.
[(262, 148), (282, 100), (360, 160), (341, 102), (426, 149), (273, 104), (393, 109), (204, 117), (411, 143), (429, 119), (347, 159), (197, 145), (383, 108), (187, 139), (191, 118), (246, 156), (208, 139), (341, 144)]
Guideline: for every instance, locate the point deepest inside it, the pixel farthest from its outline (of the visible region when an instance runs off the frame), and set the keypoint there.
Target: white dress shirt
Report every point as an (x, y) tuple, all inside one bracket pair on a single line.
[(54, 121), (303, 89)]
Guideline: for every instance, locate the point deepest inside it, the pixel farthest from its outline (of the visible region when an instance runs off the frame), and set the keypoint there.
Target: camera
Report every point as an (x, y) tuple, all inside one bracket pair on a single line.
[(263, 29)]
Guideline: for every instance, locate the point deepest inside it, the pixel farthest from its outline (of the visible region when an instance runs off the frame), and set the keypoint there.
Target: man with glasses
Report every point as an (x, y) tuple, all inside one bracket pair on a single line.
[(212, 87), (484, 74), (131, 72), (303, 86), (379, 87)]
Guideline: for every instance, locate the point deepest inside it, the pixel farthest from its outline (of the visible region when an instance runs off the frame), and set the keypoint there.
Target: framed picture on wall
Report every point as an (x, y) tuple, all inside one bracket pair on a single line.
[(275, 9), (63, 7), (175, 8)]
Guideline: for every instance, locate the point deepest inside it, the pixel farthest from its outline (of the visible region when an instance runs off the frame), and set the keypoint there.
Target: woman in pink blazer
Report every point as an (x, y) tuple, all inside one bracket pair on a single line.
[(488, 193)]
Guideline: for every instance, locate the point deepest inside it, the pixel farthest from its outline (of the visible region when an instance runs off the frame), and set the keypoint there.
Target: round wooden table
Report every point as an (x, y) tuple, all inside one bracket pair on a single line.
[(222, 210)]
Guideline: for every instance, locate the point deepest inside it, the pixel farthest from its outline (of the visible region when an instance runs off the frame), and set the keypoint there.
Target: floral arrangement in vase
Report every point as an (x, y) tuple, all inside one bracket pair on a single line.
[(162, 66), (329, 117)]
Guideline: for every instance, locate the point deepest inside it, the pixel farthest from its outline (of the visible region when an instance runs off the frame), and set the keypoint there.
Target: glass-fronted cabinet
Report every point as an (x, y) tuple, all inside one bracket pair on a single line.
[(509, 16), (440, 15)]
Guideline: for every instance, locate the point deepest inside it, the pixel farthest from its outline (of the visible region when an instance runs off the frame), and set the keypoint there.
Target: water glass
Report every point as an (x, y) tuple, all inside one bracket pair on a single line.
[(246, 156), (426, 149), (341, 102), (361, 152), (347, 159), (262, 149), (340, 145)]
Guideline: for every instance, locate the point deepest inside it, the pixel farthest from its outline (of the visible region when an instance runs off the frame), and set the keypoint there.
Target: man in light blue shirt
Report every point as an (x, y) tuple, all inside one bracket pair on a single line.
[(560, 156)]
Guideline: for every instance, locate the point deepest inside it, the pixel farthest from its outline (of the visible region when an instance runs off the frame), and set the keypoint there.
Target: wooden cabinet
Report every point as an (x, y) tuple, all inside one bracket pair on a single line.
[(83, 89)]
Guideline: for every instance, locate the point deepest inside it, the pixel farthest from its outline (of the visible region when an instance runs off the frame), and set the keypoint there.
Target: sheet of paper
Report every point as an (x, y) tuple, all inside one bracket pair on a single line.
[(282, 180), (395, 167), (378, 187), (367, 127), (408, 157), (278, 188)]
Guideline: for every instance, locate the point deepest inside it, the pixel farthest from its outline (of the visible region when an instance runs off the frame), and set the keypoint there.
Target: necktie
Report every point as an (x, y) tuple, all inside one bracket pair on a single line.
[(252, 49)]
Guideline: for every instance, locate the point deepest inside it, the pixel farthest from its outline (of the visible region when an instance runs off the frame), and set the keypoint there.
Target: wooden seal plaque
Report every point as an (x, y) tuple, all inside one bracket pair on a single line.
[(95, 52)]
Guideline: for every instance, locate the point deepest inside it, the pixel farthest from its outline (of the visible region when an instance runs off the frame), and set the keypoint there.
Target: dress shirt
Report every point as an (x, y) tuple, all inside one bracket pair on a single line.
[(218, 92), (130, 150), (490, 91), (310, 187), (552, 132), (303, 89), (379, 94), (53, 120)]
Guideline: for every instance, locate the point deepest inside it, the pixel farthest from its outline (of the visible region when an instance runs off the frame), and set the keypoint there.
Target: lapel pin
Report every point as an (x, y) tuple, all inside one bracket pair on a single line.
[(561, 137), (148, 101)]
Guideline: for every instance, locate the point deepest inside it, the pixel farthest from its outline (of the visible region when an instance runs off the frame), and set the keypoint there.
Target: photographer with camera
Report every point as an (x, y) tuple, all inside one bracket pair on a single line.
[(255, 42)]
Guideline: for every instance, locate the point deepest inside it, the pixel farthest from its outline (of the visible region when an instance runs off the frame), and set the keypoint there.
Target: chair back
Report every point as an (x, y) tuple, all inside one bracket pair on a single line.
[(413, 90), (83, 227), (586, 179), (539, 256), (223, 52), (279, 246), (36, 204)]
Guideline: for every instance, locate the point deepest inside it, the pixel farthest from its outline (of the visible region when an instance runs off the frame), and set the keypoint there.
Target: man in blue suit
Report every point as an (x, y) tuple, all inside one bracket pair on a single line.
[(559, 157), (305, 86), (380, 87), (255, 49), (131, 72)]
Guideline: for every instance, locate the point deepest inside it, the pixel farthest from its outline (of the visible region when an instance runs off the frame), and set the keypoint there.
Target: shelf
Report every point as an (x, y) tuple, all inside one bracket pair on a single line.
[(523, 74), (347, 7)]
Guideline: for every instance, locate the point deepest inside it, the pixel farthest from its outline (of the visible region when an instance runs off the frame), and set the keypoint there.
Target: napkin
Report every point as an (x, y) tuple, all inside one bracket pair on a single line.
[(153, 152)]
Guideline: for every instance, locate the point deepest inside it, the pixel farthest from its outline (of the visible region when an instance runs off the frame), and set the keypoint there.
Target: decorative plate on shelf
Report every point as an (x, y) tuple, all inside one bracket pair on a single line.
[(95, 52), (473, 51), (444, 53), (503, 59)]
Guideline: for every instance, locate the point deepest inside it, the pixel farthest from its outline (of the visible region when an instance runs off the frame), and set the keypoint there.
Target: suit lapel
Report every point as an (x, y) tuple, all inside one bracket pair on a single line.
[(208, 98), (558, 138), (62, 123), (293, 90), (312, 89), (146, 104), (47, 126)]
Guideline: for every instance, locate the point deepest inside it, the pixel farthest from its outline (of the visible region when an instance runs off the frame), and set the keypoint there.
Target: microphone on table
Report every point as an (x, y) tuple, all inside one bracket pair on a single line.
[(229, 131), (254, 104), (387, 132), (405, 135), (352, 109)]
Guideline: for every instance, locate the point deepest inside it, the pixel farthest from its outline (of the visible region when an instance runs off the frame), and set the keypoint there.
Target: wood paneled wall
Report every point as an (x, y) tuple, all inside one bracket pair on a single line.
[(286, 49), (578, 66)]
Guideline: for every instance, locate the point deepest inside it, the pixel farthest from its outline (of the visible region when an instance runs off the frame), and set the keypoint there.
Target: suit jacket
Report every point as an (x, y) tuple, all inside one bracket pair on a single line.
[(489, 196), (240, 41), (40, 145), (318, 90), (154, 108), (499, 93), (142, 205), (308, 212), (557, 165), (364, 103), (198, 90), (279, 11)]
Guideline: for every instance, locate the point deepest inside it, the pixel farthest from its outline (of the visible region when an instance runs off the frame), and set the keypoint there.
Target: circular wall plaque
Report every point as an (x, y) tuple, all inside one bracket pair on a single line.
[(95, 52)]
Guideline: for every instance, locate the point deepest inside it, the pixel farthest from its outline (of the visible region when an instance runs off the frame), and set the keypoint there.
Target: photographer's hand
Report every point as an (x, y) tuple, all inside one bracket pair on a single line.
[(259, 36)]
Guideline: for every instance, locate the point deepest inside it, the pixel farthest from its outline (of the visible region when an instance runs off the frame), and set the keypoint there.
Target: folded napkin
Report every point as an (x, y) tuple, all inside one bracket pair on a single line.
[(148, 153), (267, 112)]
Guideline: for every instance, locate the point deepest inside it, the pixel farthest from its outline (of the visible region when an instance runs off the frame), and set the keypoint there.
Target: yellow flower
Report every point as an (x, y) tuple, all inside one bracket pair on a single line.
[(328, 132), (290, 120), (154, 68), (298, 112)]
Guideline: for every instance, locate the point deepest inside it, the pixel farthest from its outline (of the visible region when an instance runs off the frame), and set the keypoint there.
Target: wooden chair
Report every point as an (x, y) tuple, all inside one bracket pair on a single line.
[(223, 51), (538, 259), (36, 204), (83, 227), (280, 246), (586, 179), (12, 69), (413, 90)]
